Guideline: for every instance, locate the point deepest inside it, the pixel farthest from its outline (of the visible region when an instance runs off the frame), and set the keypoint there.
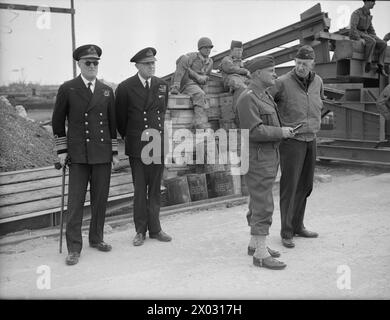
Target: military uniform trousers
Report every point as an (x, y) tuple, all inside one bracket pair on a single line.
[(98, 176), (372, 42), (297, 163), (263, 168), (147, 187)]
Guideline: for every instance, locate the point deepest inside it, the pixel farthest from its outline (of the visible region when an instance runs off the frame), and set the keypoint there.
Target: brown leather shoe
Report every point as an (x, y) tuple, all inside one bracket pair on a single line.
[(160, 236), (273, 253), (101, 246), (288, 242), (139, 239), (72, 258), (306, 234), (269, 263)]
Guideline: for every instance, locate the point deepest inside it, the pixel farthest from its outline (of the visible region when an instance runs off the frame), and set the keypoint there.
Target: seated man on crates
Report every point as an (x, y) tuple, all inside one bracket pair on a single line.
[(234, 75), (361, 28), (192, 70)]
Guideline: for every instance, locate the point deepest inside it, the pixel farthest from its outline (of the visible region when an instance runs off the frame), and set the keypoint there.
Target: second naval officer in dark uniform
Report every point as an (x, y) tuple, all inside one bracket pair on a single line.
[(90, 142), (140, 103), (257, 113)]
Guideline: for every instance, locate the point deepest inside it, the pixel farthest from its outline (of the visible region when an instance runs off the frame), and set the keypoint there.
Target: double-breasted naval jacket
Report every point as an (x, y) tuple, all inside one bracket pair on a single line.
[(138, 110), (91, 136)]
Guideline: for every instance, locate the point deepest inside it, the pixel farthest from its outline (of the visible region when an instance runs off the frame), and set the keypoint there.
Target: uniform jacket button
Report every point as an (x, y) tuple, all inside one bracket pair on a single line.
[(144, 112), (158, 118), (86, 122), (145, 119), (101, 122), (86, 114), (101, 131), (87, 140), (87, 132), (102, 139), (101, 114)]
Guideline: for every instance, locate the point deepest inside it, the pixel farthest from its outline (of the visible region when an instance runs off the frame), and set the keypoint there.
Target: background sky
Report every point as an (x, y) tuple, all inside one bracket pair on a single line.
[(36, 47)]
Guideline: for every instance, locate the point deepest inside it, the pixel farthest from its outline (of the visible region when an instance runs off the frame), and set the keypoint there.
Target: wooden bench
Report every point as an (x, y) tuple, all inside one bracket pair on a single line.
[(31, 199)]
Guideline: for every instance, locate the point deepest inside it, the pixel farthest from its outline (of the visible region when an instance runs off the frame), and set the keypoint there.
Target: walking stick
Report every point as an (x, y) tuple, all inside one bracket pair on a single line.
[(57, 165)]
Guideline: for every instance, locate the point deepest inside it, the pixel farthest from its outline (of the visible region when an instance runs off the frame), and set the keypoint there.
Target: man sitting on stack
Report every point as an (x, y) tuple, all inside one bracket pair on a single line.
[(192, 71), (234, 75)]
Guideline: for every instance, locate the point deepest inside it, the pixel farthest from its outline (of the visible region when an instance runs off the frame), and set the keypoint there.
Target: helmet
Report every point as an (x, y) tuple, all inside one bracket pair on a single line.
[(204, 42)]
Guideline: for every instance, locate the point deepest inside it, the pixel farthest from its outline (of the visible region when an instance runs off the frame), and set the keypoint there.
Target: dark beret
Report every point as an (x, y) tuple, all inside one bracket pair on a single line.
[(236, 44), (87, 51), (144, 56), (261, 62), (306, 53)]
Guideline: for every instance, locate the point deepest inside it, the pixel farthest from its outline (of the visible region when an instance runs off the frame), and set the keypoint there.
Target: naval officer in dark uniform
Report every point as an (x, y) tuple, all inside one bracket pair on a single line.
[(91, 145), (258, 113), (140, 104)]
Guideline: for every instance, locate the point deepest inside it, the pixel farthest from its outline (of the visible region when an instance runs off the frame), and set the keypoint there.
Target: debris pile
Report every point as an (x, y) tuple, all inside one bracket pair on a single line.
[(23, 143)]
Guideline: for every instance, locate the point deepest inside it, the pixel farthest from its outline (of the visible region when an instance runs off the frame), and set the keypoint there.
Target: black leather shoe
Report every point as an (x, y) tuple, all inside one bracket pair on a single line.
[(269, 263), (101, 246), (72, 258), (273, 253), (381, 70), (288, 242), (161, 236), (139, 239), (307, 234)]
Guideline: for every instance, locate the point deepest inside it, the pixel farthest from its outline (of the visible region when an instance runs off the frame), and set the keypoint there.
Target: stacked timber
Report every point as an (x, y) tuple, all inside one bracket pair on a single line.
[(178, 121)]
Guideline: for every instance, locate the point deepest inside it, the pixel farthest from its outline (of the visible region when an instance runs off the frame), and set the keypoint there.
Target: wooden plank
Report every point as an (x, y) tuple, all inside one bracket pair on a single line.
[(58, 209), (49, 204), (46, 183), (28, 175), (50, 192), (39, 173)]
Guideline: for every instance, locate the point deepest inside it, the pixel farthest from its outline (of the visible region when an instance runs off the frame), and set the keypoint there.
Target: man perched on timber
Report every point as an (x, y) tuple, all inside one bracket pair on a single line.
[(361, 28)]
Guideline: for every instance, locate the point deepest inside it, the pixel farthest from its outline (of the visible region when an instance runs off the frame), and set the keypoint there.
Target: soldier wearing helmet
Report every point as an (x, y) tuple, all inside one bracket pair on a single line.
[(192, 70)]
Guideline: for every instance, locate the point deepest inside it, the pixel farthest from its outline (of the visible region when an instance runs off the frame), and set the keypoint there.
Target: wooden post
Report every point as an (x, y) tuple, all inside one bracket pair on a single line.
[(73, 36)]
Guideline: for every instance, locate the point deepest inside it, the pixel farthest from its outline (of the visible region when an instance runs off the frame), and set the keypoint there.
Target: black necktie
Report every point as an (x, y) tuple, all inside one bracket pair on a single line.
[(90, 89), (147, 85)]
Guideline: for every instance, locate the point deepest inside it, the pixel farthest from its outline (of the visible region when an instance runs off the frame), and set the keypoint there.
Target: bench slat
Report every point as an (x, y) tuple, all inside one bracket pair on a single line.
[(50, 188), (47, 204)]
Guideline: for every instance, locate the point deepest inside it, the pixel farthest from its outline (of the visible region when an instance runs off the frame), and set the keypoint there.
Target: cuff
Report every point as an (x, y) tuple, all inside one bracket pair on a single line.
[(61, 144), (114, 143)]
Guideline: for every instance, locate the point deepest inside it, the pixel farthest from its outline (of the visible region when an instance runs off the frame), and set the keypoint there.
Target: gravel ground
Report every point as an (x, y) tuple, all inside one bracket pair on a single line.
[(207, 258), (23, 143)]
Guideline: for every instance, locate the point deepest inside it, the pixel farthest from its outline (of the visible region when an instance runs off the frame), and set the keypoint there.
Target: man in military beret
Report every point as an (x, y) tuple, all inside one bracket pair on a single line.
[(89, 143), (140, 103), (257, 113), (361, 28), (192, 71), (299, 95), (235, 76)]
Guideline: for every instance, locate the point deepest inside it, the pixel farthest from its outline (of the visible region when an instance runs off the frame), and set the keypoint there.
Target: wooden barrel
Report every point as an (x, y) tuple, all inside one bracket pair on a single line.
[(197, 185), (219, 184), (178, 191)]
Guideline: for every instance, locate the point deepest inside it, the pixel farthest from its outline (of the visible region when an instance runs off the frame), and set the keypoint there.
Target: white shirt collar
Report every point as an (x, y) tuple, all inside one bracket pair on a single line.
[(143, 81), (87, 81)]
